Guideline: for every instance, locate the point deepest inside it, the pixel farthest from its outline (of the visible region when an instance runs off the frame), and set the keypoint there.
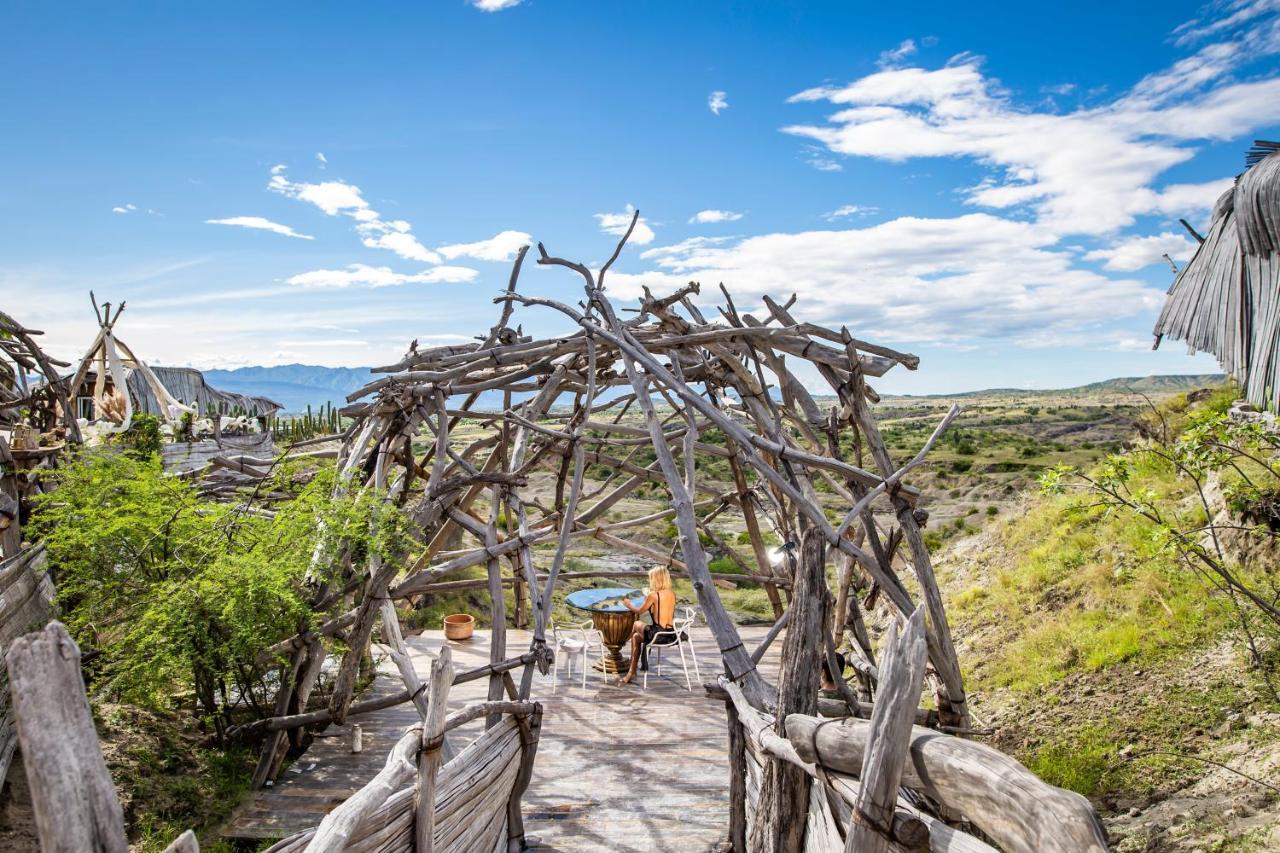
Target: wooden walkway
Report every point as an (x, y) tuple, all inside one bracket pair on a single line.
[(618, 768)]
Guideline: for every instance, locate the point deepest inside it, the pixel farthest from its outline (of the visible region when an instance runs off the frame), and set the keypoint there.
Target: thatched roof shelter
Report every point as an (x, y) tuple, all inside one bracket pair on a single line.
[(1226, 300)]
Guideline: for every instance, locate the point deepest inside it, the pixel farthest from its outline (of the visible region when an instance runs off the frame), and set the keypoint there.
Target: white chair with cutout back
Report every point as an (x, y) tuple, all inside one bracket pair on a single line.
[(576, 642), (681, 637)]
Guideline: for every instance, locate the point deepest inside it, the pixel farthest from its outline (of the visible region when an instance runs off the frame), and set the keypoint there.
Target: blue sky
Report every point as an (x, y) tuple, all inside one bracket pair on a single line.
[(317, 183)]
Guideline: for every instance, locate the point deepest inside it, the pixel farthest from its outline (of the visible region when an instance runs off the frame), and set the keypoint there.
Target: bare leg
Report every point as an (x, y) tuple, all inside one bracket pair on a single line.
[(637, 638)]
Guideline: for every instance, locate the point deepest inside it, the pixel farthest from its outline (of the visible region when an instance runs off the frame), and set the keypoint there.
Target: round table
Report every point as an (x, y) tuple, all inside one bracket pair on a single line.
[(610, 618)]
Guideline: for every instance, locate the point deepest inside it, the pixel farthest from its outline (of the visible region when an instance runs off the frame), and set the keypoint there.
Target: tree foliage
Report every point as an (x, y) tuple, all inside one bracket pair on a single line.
[(177, 595)]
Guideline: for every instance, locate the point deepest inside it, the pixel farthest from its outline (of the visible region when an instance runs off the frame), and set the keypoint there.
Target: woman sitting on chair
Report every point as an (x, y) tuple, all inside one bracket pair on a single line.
[(660, 603)]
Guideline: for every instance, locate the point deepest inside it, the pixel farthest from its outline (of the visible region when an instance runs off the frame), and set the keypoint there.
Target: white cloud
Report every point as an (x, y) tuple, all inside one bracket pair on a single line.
[(339, 197), (910, 279), (847, 210), (1185, 199), (617, 224), (703, 217), (362, 275), (1134, 253), (893, 57), (258, 222), (821, 162), (321, 159), (494, 5), (1089, 171), (1237, 13), (501, 247), (716, 102), (402, 243), (333, 197), (684, 247), (130, 208)]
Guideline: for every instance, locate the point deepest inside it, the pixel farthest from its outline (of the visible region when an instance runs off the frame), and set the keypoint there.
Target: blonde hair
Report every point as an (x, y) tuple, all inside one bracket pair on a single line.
[(659, 579)]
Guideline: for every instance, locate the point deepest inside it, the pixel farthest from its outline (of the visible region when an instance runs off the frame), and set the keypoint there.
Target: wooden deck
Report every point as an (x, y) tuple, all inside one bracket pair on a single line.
[(618, 768)]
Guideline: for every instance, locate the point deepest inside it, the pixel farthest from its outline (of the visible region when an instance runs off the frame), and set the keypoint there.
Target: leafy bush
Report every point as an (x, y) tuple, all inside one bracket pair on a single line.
[(143, 435), (724, 565), (177, 594)]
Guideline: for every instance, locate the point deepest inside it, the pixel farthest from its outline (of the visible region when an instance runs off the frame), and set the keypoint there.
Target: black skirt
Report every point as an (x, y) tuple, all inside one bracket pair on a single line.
[(651, 631)]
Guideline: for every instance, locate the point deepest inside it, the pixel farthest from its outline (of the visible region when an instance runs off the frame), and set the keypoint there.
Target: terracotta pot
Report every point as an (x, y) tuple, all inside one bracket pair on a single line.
[(458, 626)]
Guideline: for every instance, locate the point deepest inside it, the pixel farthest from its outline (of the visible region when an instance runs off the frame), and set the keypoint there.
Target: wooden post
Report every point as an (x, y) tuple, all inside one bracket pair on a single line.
[(784, 790), (903, 677), (72, 795), (737, 780), (497, 603), (430, 756)]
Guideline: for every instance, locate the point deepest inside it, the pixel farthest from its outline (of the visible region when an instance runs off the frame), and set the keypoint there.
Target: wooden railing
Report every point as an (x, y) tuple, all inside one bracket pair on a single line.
[(866, 778), (418, 802)]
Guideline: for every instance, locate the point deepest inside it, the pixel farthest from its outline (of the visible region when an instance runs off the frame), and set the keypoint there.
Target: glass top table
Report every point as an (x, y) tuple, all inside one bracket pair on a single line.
[(613, 620)]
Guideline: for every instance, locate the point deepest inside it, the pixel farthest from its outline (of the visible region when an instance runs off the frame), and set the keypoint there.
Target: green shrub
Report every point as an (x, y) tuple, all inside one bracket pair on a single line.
[(143, 435), (178, 594)]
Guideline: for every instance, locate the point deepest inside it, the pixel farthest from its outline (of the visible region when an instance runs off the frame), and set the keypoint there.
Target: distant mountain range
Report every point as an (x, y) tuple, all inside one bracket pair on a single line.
[(1168, 384), (296, 386)]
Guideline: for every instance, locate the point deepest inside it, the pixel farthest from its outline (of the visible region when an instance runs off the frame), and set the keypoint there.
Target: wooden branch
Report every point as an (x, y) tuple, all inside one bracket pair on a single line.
[(896, 477)]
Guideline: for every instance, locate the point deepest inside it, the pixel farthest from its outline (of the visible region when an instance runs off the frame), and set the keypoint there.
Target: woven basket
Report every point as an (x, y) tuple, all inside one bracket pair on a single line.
[(458, 626)]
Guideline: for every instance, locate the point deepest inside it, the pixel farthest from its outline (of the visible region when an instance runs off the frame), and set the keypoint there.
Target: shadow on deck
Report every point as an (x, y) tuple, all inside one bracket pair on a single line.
[(618, 767)]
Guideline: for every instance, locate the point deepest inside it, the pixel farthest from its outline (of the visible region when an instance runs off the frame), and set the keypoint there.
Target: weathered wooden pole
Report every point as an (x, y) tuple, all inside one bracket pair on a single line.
[(902, 668), (430, 757), (737, 780), (784, 790), (72, 795)]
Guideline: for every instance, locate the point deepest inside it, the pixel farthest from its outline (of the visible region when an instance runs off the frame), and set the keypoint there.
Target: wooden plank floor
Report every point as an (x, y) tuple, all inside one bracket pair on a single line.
[(618, 768)]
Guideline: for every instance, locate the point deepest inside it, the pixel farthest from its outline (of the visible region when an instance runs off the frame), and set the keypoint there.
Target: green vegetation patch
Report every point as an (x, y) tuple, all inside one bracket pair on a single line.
[(1087, 588)]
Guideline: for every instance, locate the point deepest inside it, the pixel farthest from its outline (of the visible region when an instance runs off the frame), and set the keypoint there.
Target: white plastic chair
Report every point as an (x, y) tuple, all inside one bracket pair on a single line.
[(576, 641), (679, 636)]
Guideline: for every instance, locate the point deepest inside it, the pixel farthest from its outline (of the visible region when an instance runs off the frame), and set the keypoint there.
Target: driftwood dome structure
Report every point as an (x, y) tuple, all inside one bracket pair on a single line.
[(1226, 300), (688, 377)]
